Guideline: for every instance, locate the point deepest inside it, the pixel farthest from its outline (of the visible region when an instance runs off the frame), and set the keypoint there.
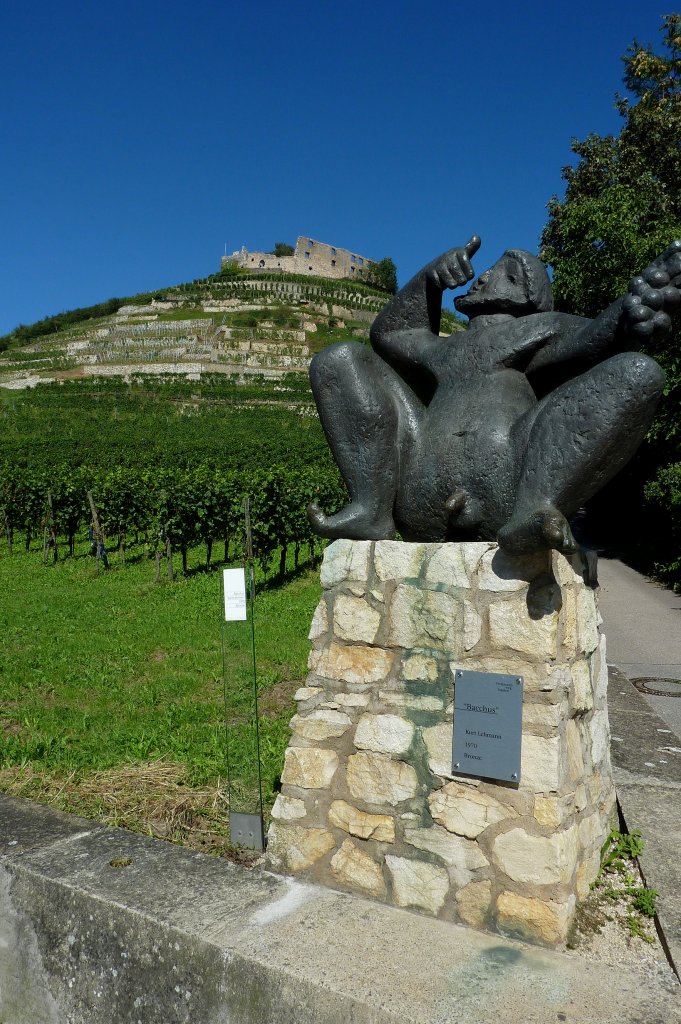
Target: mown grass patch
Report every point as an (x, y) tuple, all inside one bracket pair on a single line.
[(111, 688)]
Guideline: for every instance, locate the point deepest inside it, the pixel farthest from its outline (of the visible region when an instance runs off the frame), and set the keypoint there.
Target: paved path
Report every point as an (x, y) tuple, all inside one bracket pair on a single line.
[(642, 625)]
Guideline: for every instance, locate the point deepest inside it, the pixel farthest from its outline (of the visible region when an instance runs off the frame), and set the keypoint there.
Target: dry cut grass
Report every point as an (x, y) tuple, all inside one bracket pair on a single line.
[(150, 797)]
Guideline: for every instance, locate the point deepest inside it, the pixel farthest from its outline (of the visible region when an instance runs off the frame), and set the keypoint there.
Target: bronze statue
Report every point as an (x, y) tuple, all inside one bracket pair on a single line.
[(501, 431)]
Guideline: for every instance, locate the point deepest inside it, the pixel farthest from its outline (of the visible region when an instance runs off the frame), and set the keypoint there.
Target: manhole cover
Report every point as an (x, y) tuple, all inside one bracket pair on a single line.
[(657, 687)]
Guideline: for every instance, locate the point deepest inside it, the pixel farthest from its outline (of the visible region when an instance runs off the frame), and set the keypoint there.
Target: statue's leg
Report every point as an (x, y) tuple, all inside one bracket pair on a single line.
[(575, 440), (369, 416)]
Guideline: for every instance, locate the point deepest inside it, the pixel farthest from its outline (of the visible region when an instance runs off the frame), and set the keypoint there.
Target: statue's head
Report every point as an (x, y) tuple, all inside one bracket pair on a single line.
[(517, 284)]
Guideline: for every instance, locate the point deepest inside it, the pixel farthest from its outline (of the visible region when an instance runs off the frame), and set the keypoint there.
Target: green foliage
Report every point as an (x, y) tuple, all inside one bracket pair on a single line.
[(282, 249), (616, 881), (622, 207), (622, 202), (383, 275), (619, 847), (231, 270)]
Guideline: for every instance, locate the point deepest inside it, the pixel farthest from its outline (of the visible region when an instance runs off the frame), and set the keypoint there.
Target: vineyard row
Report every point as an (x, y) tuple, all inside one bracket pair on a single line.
[(172, 510)]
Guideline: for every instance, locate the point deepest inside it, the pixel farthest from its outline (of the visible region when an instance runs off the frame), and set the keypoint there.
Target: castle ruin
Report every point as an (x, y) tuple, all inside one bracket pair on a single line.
[(309, 257)]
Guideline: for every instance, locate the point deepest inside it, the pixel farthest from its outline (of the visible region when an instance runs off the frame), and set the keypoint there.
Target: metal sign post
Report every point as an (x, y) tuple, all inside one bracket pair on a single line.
[(242, 731)]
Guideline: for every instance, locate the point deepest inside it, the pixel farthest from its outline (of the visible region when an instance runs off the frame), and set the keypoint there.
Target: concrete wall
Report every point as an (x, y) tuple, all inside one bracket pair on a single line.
[(102, 926)]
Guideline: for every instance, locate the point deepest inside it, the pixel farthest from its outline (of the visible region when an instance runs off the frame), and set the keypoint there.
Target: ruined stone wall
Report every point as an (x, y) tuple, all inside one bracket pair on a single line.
[(310, 257), (369, 800)]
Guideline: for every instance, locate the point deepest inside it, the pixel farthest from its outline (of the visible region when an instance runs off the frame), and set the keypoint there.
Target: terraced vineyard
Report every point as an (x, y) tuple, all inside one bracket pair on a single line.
[(260, 325)]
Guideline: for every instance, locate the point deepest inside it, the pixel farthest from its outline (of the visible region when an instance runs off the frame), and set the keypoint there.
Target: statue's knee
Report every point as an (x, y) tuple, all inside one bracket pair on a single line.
[(642, 373), (337, 359)]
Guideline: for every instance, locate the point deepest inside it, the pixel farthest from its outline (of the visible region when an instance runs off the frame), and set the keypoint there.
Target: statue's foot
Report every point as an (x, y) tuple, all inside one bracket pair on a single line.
[(354, 522), (545, 528)]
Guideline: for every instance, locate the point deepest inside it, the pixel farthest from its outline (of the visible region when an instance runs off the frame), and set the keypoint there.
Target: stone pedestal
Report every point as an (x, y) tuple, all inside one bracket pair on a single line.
[(369, 802)]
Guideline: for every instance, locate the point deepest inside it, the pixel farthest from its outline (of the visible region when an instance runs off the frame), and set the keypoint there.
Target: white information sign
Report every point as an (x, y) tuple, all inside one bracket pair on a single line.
[(235, 594)]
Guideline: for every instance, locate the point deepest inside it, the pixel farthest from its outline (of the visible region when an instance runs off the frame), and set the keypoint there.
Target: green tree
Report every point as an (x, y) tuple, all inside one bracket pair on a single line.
[(282, 249), (383, 275), (622, 202), (622, 207), (231, 269)]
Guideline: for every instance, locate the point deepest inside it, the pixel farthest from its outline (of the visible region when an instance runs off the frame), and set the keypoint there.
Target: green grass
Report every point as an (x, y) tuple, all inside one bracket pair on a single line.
[(100, 674)]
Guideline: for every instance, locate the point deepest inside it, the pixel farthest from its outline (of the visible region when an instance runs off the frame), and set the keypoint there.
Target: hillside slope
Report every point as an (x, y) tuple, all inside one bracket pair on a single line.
[(260, 324)]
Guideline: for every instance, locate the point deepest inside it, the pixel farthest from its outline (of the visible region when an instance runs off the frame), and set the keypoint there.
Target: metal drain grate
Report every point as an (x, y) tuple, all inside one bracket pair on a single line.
[(642, 684)]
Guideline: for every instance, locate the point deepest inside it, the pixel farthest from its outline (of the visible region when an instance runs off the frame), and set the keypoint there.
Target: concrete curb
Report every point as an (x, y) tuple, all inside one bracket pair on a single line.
[(100, 926), (646, 757)]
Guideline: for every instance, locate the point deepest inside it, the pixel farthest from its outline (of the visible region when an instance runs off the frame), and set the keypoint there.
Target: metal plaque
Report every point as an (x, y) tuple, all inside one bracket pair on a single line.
[(488, 725), (247, 830)]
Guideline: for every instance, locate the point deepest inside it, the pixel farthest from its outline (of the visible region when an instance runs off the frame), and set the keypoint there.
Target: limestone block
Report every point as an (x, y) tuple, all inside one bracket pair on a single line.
[(473, 902), (438, 741), (541, 716), (352, 664), (472, 626), (580, 798), (586, 874), (416, 883), (355, 619), (345, 560), (536, 860), (599, 730), (547, 811), (357, 870), (461, 856), (574, 756), (309, 767), (502, 573), (408, 700), (464, 811), (288, 808), (569, 620), (420, 667), (425, 618), (380, 827), (587, 618), (592, 832), (536, 677), (533, 919), (307, 693), (386, 734), (454, 565), (377, 779), (352, 700), (510, 626), (598, 668), (567, 571), (557, 683), (298, 848), (320, 621), (540, 769), (582, 694), (394, 560), (320, 725)]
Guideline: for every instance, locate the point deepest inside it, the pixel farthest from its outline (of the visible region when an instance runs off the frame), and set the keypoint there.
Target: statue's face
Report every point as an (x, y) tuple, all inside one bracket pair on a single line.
[(501, 289)]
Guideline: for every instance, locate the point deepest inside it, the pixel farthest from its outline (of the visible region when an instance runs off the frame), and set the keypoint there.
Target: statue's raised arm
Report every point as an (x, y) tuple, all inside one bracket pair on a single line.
[(411, 319)]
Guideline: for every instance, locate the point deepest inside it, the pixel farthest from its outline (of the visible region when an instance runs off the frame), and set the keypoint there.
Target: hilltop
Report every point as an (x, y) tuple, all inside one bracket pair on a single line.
[(260, 324)]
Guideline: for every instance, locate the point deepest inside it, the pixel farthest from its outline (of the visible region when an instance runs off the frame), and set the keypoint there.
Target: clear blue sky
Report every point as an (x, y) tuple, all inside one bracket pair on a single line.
[(139, 138)]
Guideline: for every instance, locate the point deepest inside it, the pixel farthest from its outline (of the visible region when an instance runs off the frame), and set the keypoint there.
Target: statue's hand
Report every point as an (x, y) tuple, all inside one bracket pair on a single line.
[(654, 296), (453, 268)]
